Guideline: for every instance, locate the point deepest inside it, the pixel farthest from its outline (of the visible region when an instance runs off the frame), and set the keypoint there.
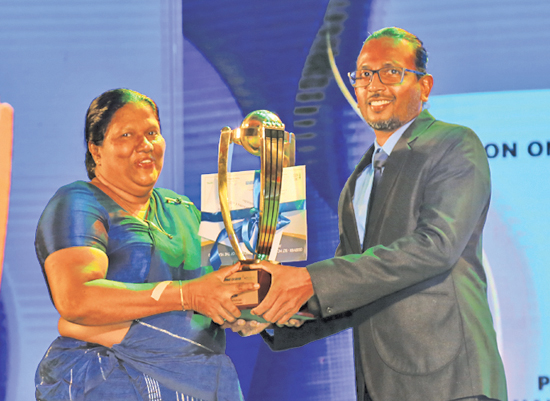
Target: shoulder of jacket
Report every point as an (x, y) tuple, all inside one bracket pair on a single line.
[(448, 134)]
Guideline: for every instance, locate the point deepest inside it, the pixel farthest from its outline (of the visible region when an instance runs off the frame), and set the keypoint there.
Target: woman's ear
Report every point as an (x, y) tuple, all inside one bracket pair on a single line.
[(96, 154)]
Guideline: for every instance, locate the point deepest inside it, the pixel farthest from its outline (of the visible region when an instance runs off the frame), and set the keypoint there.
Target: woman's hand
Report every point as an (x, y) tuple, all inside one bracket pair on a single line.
[(211, 296)]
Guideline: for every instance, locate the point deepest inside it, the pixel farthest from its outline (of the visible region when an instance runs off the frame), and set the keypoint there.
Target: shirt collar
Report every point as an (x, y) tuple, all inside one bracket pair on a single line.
[(392, 140)]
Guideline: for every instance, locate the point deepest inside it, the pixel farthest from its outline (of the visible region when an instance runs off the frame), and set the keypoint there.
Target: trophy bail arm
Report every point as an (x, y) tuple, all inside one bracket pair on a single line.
[(289, 149), (223, 152)]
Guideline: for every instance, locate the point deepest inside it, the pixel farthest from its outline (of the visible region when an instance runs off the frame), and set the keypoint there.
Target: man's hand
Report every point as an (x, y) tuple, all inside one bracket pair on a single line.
[(291, 287), (211, 296), (249, 328), (246, 327)]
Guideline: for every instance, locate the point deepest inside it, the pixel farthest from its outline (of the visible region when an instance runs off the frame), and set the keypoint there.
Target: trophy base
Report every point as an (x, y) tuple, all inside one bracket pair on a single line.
[(250, 299)]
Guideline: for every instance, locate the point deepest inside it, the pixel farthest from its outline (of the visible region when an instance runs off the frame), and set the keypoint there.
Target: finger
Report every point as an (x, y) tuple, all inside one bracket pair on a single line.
[(253, 332), (244, 287), (229, 312), (254, 329), (276, 315), (271, 316), (224, 267), (236, 326), (231, 307), (246, 328), (264, 265), (260, 266), (252, 325), (217, 319), (260, 309), (229, 270), (295, 322), (232, 312), (281, 312), (261, 327), (291, 323), (276, 310), (286, 317), (265, 305)]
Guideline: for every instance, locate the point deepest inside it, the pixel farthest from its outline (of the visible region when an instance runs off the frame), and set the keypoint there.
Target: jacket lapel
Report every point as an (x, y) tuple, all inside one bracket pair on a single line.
[(347, 222), (393, 167)]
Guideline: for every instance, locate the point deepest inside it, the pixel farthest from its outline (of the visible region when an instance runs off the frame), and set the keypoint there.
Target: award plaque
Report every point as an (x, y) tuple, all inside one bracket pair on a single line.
[(262, 134)]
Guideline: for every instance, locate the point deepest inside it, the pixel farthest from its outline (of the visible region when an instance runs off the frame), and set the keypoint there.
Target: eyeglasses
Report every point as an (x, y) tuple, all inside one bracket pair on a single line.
[(387, 75)]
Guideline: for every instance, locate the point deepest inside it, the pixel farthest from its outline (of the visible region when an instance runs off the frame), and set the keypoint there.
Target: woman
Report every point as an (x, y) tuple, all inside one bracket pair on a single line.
[(139, 316)]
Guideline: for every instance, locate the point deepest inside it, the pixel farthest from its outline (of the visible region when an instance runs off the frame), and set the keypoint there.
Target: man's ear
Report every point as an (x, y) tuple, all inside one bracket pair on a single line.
[(426, 84)]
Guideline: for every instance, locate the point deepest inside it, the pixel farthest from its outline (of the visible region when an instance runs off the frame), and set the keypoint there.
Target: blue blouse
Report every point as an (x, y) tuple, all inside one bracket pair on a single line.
[(183, 351)]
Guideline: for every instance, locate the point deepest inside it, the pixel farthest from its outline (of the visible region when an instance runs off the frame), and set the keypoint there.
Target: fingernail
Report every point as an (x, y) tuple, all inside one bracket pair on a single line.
[(256, 286)]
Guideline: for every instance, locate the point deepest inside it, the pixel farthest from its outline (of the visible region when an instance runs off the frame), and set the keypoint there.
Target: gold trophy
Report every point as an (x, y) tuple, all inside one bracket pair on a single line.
[(262, 134)]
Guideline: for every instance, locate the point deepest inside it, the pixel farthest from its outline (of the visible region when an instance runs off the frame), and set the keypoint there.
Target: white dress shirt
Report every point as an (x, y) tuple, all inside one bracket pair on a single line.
[(363, 185)]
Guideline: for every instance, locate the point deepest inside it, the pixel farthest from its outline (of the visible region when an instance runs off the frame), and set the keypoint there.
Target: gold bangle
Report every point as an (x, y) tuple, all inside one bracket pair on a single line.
[(181, 297)]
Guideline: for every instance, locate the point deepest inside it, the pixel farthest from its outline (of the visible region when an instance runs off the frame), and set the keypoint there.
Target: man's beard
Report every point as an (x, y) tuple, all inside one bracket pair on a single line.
[(390, 124)]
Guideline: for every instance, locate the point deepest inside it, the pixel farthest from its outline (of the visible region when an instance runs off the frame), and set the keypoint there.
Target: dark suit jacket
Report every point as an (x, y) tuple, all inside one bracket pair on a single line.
[(416, 297)]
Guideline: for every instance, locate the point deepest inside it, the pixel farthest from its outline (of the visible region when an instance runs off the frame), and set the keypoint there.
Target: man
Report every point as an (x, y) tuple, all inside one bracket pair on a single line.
[(407, 275)]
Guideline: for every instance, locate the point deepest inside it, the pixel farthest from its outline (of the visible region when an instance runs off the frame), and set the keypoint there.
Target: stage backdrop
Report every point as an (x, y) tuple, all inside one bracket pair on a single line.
[(208, 66)]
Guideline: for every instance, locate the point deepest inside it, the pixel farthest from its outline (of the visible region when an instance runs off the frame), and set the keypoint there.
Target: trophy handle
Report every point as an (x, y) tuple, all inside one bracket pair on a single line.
[(223, 152), (290, 149)]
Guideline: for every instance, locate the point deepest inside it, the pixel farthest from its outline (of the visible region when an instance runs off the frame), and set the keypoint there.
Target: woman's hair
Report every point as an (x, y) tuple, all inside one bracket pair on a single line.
[(100, 113)]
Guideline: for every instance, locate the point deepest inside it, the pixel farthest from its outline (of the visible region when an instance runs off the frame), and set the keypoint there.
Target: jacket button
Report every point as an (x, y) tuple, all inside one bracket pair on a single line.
[(329, 310)]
